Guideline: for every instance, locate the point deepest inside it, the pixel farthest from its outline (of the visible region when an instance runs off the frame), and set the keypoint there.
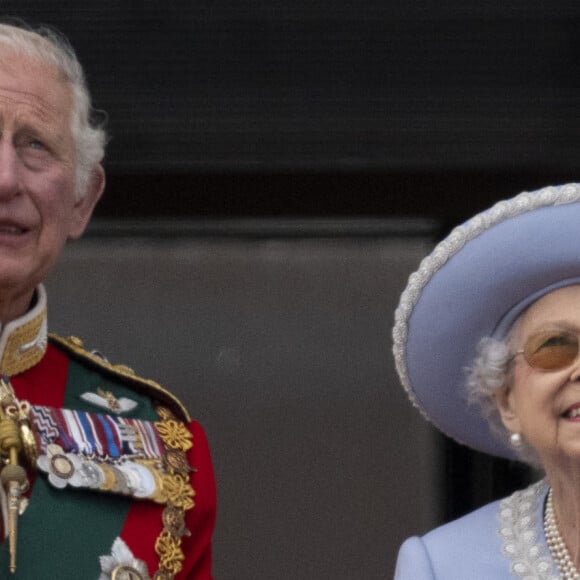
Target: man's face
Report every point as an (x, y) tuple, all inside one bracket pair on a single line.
[(38, 210)]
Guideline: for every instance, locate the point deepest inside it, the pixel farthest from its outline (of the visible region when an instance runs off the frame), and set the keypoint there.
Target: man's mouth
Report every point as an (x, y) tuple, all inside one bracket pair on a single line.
[(12, 227), (13, 230)]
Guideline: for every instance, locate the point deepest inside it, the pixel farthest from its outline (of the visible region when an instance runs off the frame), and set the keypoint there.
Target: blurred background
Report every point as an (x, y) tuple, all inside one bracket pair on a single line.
[(275, 172)]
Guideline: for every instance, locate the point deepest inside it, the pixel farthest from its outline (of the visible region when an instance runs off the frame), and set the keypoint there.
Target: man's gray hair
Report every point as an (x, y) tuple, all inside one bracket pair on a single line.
[(46, 45)]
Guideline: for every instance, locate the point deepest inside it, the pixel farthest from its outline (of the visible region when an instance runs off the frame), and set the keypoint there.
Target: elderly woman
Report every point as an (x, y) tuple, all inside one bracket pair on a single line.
[(486, 343)]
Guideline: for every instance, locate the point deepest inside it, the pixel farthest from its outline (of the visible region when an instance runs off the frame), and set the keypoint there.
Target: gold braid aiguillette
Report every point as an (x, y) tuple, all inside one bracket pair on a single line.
[(15, 438), (178, 492)]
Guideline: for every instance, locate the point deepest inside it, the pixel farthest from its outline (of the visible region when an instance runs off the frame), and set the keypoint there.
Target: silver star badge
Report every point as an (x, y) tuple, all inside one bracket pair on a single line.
[(122, 565)]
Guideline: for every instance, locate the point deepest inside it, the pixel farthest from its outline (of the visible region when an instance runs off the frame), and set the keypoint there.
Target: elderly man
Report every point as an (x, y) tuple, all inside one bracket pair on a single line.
[(103, 475)]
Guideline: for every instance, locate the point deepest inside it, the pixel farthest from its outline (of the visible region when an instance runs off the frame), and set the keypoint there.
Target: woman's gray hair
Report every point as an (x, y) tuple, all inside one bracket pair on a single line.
[(48, 46), (489, 371)]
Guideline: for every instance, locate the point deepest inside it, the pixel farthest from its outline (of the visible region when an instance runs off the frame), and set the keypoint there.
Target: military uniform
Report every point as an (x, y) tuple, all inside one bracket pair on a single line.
[(121, 481)]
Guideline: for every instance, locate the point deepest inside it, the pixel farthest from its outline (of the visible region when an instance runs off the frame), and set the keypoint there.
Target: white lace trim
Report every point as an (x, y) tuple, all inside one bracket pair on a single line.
[(518, 515), (501, 211)]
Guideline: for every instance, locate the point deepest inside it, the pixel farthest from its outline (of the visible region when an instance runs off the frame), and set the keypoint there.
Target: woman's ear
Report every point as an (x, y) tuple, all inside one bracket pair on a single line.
[(504, 401)]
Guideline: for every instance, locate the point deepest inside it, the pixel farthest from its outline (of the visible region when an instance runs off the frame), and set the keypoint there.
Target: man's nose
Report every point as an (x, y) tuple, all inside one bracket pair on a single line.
[(9, 170)]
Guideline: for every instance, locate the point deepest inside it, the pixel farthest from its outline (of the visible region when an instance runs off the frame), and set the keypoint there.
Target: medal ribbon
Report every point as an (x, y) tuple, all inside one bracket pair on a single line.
[(94, 434)]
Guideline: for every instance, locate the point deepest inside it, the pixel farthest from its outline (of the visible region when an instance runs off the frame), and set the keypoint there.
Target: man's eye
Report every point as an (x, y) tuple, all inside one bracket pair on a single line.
[(36, 144)]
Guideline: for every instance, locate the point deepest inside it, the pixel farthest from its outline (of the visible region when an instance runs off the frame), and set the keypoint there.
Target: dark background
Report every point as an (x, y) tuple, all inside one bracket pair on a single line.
[(221, 110), (313, 107)]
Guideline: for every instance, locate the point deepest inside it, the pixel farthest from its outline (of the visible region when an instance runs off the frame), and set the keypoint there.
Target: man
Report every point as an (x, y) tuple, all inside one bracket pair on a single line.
[(103, 475)]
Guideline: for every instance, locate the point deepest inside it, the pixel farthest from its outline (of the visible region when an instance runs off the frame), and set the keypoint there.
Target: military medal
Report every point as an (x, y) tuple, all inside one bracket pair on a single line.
[(121, 485), (122, 565), (123, 572), (142, 481), (101, 452), (112, 454), (92, 475), (109, 478)]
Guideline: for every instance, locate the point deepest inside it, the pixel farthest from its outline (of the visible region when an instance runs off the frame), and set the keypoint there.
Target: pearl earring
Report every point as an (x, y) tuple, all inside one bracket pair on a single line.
[(516, 440)]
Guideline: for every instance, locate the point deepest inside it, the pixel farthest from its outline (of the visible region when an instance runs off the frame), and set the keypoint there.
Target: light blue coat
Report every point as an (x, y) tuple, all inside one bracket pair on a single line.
[(474, 546)]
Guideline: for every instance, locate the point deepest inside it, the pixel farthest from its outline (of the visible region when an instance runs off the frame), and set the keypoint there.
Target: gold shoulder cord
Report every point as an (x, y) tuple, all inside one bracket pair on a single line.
[(16, 442), (178, 494)]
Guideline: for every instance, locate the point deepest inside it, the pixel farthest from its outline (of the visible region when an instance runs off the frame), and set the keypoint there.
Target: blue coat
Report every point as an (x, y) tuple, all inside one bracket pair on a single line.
[(502, 540)]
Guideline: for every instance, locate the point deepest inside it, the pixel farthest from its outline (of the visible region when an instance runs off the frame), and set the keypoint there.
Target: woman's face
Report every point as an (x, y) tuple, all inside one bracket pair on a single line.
[(538, 404)]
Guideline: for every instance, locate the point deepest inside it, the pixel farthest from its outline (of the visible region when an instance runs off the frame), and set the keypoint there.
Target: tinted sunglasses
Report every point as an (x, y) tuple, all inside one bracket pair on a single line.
[(550, 350)]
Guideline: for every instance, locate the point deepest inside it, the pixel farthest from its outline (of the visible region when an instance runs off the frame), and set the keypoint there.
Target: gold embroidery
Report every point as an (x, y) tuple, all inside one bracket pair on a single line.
[(25, 346), (175, 434), (178, 491), (168, 548), (112, 401)]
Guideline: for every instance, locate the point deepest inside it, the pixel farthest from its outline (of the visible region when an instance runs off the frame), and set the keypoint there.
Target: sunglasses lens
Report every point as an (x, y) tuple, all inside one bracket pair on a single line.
[(551, 350)]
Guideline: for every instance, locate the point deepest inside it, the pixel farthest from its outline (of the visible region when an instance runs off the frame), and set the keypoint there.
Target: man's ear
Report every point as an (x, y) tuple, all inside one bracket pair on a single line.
[(504, 401), (83, 208)]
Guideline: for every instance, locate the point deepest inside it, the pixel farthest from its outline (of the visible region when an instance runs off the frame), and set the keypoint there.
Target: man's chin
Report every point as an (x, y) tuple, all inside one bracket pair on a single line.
[(16, 280)]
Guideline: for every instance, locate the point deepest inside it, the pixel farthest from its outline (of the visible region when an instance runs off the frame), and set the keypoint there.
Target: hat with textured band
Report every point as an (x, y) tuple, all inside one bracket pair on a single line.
[(474, 284)]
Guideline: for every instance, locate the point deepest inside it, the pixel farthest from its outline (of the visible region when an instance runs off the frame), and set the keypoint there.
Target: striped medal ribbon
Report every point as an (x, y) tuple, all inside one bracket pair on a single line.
[(98, 451)]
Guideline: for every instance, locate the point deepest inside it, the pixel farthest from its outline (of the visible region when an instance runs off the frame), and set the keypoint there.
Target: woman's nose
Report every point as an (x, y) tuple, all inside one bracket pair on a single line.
[(575, 369)]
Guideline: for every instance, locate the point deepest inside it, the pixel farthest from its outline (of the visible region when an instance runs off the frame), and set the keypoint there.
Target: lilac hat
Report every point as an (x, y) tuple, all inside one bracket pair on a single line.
[(476, 283)]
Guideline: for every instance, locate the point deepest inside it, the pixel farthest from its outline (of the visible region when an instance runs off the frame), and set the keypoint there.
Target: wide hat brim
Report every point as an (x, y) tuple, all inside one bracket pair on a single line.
[(474, 284)]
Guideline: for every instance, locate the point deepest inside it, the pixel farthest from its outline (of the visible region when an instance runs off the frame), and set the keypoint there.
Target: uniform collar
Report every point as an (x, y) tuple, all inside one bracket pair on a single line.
[(23, 341)]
